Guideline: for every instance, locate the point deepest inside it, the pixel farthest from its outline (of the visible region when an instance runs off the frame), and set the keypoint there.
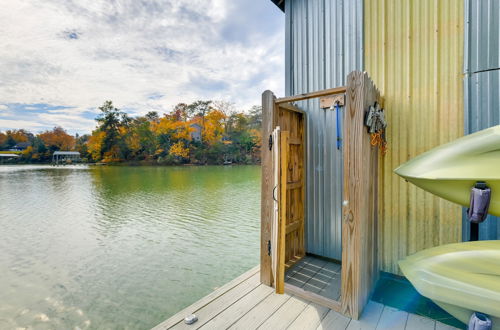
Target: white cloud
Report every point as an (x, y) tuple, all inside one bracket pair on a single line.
[(80, 53)]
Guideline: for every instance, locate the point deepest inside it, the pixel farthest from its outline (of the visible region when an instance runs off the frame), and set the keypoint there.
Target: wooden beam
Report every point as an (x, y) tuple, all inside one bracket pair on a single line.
[(294, 185), (291, 107), (326, 102), (267, 181), (306, 96), (293, 226)]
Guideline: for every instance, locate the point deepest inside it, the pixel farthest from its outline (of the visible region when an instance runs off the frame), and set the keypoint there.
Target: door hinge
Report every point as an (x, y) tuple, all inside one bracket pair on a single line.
[(270, 142), (269, 248)]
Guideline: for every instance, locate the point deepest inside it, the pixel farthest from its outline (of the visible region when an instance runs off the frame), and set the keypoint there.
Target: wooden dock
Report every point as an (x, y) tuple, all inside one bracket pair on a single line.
[(245, 303)]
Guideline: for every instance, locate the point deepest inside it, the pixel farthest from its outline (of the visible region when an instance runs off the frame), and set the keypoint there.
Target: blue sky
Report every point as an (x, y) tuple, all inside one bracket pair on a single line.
[(61, 59)]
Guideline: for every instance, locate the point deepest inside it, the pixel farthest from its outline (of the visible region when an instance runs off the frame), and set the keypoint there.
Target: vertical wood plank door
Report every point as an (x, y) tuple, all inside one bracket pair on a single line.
[(292, 120)]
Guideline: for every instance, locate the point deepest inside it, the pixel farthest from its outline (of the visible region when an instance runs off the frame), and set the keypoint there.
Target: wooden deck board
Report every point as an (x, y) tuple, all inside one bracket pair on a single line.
[(393, 319), (244, 303), (334, 321), (230, 315), (260, 313), (309, 318), (285, 315), (417, 322), (179, 317), (208, 312), (369, 319)]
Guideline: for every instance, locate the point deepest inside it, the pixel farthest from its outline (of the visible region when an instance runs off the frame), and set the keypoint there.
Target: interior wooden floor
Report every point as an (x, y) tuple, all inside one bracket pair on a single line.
[(316, 275), (245, 303)]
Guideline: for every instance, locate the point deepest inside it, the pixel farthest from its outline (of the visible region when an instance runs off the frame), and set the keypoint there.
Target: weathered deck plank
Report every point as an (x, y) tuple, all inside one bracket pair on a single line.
[(310, 318), (179, 317), (393, 319), (334, 321), (208, 312), (245, 303), (230, 315), (258, 315), (285, 315), (369, 319), (417, 322)]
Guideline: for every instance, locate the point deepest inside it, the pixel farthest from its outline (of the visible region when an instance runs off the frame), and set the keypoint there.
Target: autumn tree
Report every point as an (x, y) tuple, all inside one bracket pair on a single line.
[(3, 140), (141, 139), (213, 129), (16, 136), (57, 139)]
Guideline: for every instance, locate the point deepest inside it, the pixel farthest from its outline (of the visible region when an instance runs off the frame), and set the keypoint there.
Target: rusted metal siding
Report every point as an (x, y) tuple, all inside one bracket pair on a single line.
[(414, 53), (482, 82), (323, 44)]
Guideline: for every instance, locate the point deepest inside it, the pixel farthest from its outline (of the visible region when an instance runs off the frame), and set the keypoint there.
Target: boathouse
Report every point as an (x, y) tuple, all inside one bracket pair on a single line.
[(415, 53), (65, 157)]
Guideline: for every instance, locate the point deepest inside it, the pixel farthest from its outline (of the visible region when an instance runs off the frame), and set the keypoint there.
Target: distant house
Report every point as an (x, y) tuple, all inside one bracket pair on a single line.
[(20, 146), (196, 133)]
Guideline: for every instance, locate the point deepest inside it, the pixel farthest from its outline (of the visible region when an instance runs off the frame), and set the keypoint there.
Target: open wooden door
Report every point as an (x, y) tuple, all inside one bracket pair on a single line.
[(283, 190), (289, 224)]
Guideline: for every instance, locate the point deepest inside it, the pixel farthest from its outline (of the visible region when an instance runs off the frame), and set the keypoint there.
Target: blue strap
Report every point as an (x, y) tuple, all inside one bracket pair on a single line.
[(339, 139)]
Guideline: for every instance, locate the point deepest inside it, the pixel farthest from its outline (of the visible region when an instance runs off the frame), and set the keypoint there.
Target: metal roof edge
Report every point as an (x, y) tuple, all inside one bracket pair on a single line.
[(280, 4)]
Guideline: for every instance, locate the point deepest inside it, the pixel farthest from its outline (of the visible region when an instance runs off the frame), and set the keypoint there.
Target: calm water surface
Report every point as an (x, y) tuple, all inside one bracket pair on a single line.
[(120, 247)]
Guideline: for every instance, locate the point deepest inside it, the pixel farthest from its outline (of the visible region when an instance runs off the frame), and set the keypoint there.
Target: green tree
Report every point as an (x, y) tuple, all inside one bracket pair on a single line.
[(113, 123)]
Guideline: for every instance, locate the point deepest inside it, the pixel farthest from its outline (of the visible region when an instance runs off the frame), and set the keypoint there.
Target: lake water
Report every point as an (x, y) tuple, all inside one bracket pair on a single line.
[(120, 247)]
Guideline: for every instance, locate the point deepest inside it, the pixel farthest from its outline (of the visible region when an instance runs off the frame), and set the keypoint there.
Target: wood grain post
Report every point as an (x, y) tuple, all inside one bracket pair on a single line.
[(359, 228), (268, 104)]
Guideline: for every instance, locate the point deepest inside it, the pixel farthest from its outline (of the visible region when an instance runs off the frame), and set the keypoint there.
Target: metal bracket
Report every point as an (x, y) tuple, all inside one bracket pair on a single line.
[(326, 102)]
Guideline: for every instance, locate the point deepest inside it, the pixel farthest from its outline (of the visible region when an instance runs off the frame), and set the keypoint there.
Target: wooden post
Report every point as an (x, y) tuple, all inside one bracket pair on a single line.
[(359, 228), (268, 104)]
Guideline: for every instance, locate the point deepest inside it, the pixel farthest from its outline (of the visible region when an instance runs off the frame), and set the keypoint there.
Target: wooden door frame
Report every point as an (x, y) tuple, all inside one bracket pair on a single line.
[(360, 186)]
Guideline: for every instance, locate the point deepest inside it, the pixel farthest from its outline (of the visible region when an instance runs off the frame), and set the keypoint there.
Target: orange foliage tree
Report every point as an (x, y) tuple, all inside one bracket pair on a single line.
[(57, 139)]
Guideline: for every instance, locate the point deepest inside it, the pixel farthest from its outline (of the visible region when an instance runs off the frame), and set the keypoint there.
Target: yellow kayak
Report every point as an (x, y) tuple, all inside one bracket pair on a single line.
[(451, 170), (462, 278)]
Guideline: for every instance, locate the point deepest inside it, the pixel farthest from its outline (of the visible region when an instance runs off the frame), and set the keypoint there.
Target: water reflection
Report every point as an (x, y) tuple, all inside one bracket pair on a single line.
[(120, 247)]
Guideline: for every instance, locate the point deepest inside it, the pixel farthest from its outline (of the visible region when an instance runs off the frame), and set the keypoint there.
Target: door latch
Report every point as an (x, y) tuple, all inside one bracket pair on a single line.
[(270, 142), (269, 248)]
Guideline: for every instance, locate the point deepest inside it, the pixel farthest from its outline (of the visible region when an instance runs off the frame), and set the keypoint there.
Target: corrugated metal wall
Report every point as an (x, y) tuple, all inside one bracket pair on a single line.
[(413, 52), (482, 82), (323, 44)]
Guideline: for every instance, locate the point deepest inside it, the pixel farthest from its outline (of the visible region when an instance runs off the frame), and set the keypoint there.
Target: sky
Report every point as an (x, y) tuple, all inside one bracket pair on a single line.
[(61, 59)]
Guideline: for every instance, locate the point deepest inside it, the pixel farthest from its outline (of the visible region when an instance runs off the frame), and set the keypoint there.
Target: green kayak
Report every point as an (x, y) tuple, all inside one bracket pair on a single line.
[(462, 278), (451, 170)]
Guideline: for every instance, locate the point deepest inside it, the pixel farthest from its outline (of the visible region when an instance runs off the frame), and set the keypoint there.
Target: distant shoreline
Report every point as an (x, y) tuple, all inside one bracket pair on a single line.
[(131, 163)]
